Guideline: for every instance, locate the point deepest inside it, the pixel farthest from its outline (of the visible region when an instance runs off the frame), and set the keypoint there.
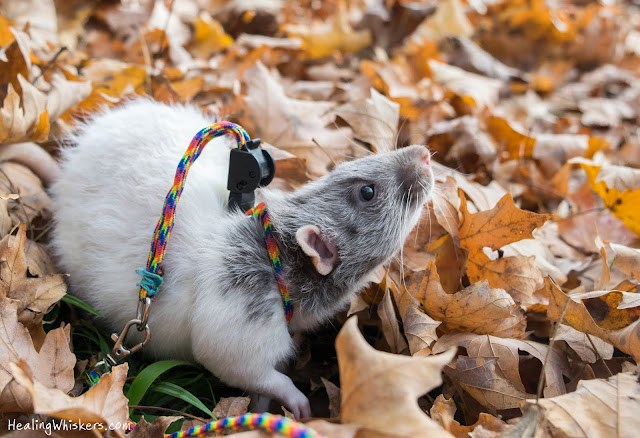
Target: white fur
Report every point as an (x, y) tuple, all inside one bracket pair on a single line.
[(107, 201)]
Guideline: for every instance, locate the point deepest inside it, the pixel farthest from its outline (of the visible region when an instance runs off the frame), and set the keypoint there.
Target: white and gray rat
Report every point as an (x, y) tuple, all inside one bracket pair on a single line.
[(219, 304)]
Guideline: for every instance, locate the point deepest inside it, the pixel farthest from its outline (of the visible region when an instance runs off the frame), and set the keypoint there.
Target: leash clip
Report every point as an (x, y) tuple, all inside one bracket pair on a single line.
[(120, 351)]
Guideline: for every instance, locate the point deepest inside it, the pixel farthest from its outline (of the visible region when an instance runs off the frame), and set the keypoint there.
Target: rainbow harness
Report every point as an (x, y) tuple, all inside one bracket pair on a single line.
[(259, 212)]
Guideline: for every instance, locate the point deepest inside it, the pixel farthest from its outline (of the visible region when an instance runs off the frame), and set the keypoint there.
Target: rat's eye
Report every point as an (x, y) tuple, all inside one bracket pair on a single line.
[(367, 193)]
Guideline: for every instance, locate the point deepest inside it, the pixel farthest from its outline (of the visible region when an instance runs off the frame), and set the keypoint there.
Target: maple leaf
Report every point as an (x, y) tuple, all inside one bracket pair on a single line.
[(366, 376), (478, 308), (495, 228)]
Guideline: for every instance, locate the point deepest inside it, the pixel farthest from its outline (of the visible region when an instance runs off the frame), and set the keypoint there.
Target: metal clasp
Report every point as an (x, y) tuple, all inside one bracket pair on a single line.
[(143, 313), (120, 351)]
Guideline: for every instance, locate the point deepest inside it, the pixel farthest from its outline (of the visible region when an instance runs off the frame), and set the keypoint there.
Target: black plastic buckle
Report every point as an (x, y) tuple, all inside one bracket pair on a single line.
[(248, 170)]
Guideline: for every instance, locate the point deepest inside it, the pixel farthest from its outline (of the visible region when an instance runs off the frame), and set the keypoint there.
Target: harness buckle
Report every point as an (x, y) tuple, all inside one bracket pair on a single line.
[(120, 351)]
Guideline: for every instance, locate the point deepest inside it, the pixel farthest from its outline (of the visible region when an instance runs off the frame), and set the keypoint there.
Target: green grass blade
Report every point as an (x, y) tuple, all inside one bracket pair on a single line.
[(81, 304), (147, 376), (174, 390)]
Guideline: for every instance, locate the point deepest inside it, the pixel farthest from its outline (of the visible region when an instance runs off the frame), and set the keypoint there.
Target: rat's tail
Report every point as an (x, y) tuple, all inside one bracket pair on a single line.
[(34, 157)]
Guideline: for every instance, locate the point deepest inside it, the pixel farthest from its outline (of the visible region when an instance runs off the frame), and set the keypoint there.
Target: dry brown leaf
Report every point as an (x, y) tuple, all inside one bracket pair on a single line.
[(231, 407), (506, 351), (597, 408), (52, 365), (619, 330), (366, 376), (444, 409), (333, 392), (323, 39), (503, 224), (478, 308), (104, 405), (390, 326), (374, 120), (20, 119), (517, 275), (480, 378), (420, 330), (23, 280), (483, 91), (284, 122), (580, 343), (152, 430), (622, 198)]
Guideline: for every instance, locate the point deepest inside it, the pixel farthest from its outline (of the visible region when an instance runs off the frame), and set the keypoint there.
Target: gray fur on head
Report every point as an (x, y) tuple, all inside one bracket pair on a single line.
[(365, 234)]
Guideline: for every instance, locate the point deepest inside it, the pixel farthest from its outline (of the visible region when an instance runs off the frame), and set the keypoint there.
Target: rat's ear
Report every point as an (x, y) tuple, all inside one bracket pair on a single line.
[(323, 253)]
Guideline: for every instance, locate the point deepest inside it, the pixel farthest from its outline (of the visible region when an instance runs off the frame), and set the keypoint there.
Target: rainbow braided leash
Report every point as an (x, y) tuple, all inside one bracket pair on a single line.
[(152, 276), (152, 279), (259, 212), (267, 422)]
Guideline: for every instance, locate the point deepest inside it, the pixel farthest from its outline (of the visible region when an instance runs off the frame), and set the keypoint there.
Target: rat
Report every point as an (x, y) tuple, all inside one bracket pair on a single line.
[(219, 304)]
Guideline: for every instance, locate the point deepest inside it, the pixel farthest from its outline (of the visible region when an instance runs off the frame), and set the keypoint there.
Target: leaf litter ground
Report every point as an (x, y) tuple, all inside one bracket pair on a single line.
[(525, 264)]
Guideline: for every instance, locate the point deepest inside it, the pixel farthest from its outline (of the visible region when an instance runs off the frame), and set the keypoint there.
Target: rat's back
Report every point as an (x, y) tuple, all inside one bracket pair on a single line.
[(115, 175)]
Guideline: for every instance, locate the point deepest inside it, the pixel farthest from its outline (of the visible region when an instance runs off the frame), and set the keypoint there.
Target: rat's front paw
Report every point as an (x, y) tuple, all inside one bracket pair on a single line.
[(299, 406)]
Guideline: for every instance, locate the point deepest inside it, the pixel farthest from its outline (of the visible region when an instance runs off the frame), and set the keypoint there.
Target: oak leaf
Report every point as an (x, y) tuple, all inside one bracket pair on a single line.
[(390, 326), (366, 376)]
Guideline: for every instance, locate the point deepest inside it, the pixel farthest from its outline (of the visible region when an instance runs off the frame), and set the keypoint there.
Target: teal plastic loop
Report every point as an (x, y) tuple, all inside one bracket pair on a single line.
[(150, 282)]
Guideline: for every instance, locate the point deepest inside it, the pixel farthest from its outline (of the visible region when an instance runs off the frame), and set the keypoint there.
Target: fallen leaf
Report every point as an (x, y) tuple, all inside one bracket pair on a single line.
[(444, 409), (323, 39), (365, 376), (374, 120), (231, 407), (390, 326), (104, 405), (583, 346), (495, 228), (597, 408), (52, 365), (506, 352), (626, 338), (478, 308), (333, 392), (24, 281), (480, 378), (152, 430), (623, 197), (420, 330)]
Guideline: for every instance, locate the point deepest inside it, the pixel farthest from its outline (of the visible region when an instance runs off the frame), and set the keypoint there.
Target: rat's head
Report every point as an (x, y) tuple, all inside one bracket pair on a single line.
[(356, 218)]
